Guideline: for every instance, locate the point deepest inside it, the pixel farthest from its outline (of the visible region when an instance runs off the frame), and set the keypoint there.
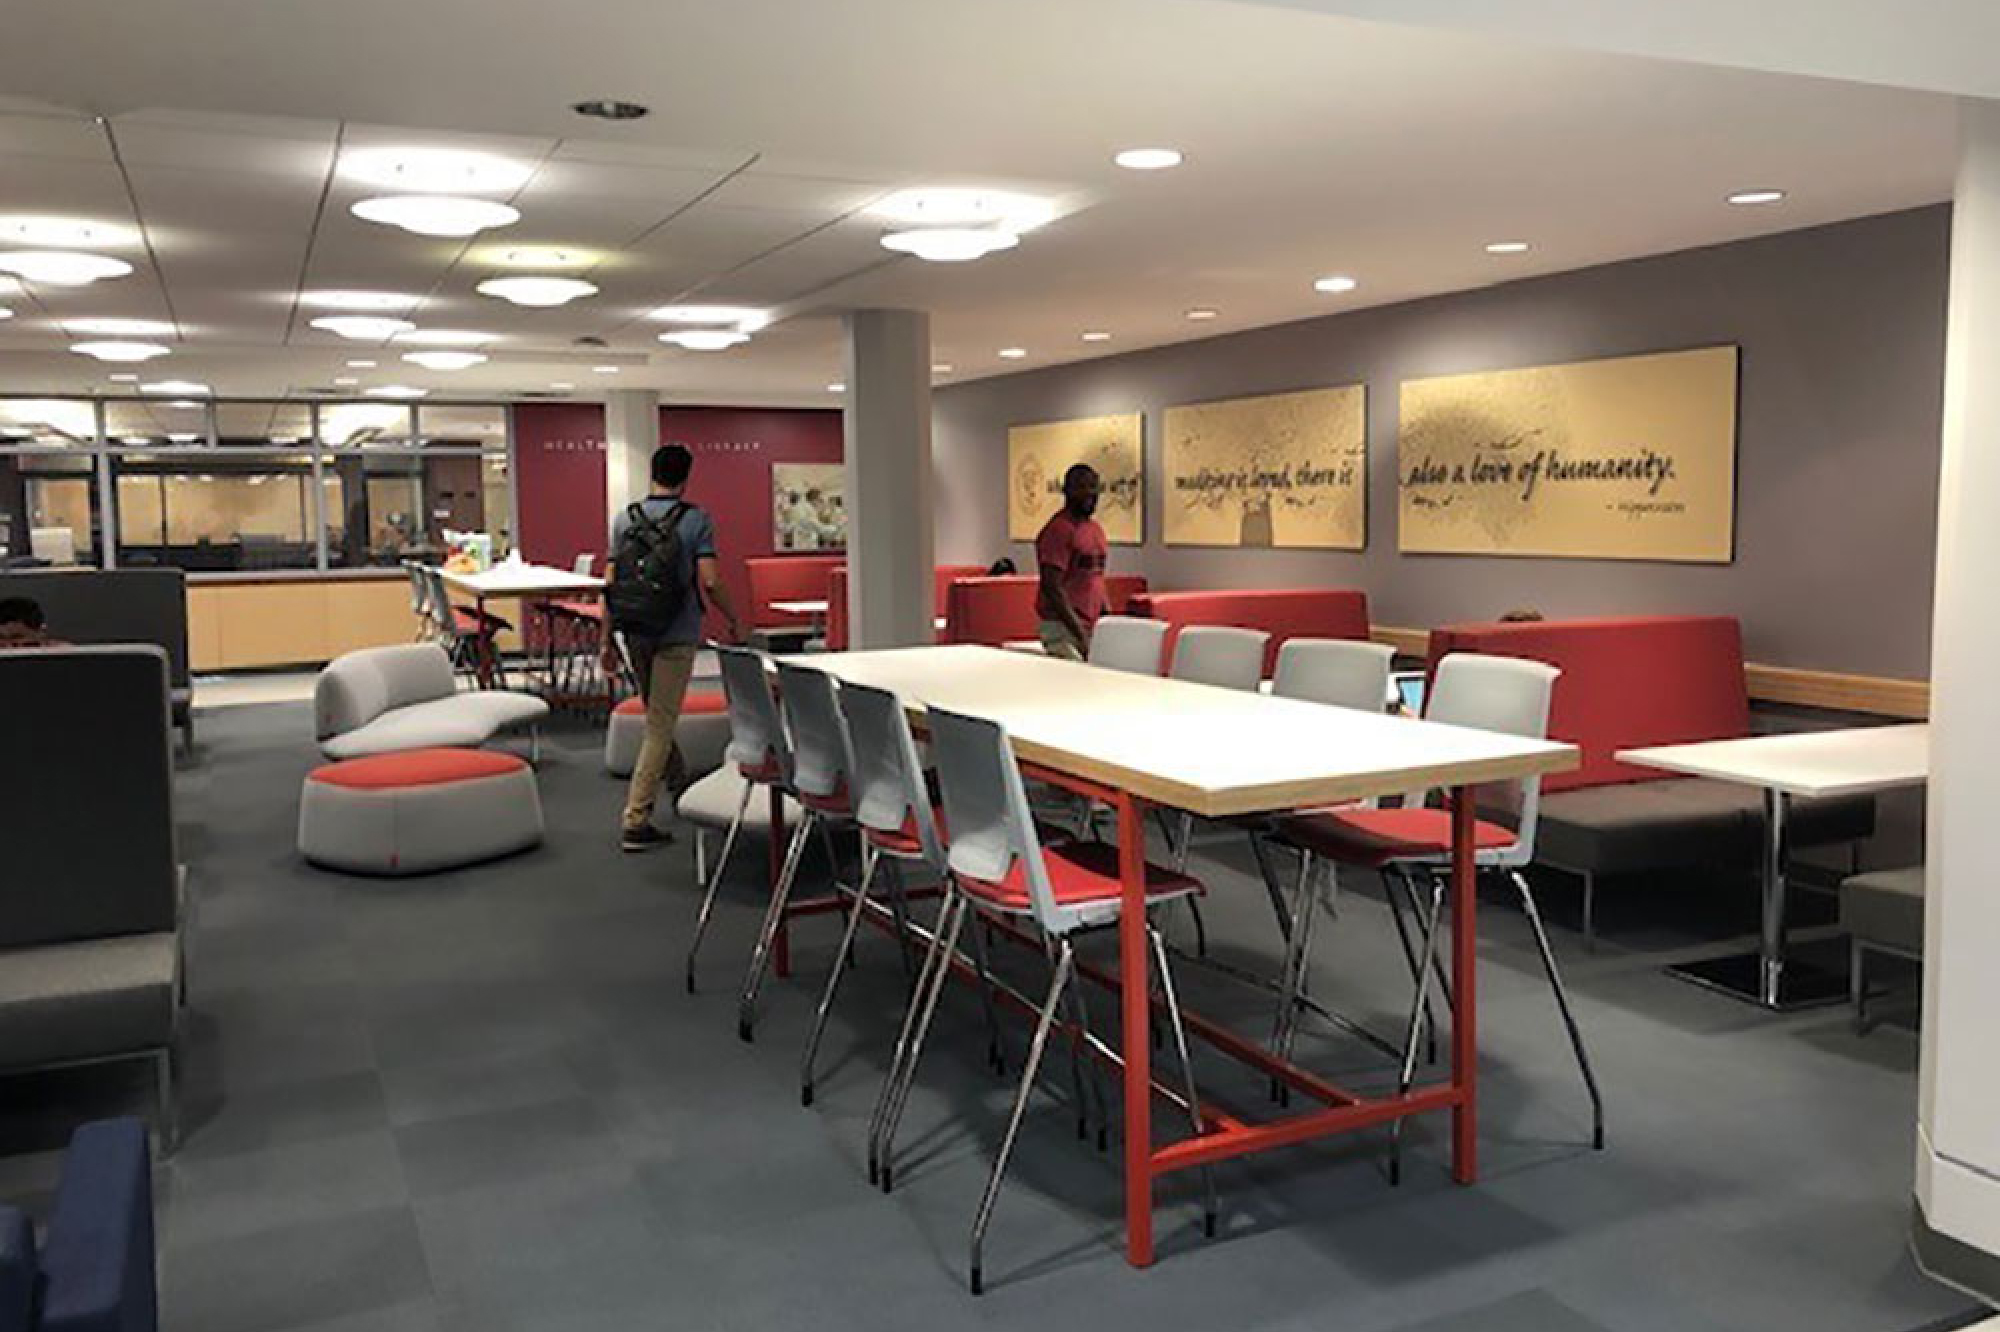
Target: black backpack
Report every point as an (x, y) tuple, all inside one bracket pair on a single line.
[(647, 589)]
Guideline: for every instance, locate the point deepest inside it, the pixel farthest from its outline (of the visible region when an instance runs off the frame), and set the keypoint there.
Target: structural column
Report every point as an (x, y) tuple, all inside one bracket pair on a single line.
[(631, 433), (890, 594), (1957, 1227)]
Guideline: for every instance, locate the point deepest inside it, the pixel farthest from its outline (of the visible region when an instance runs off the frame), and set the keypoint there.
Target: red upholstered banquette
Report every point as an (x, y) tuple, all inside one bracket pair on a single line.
[(1628, 681), (1304, 612), (787, 578), (997, 611), (836, 598)]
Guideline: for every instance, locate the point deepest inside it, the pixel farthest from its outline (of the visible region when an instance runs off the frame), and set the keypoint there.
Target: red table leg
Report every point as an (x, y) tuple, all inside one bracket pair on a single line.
[(1135, 1000), (781, 958), (1464, 979)]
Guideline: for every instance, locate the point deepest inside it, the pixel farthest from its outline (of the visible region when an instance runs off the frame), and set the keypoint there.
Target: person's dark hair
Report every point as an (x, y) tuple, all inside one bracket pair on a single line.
[(671, 465), (1076, 472), (21, 610), (1521, 615), (1001, 567)]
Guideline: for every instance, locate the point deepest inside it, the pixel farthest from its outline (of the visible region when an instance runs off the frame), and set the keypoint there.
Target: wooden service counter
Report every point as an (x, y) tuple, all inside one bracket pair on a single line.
[(240, 620)]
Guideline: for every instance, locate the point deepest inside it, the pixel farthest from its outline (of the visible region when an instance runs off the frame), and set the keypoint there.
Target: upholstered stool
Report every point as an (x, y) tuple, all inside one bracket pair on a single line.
[(1883, 911), (424, 809), (702, 733)]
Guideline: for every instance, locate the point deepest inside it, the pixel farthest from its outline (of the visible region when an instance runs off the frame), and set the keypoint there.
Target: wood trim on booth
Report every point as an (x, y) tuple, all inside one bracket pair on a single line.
[(1879, 695)]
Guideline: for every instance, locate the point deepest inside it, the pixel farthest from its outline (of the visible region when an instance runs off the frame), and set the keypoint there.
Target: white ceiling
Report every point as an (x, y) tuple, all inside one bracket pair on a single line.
[(1316, 144)]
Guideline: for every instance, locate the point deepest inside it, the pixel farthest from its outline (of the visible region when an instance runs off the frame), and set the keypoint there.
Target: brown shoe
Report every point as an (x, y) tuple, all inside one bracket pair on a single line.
[(644, 838)]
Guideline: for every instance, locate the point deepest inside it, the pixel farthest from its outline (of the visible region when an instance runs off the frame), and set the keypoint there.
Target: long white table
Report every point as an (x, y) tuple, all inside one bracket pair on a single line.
[(1130, 740), (1854, 761), (521, 580)]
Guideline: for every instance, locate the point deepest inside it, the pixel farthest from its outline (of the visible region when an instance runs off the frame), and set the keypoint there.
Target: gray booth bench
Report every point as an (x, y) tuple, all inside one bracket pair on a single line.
[(97, 606)]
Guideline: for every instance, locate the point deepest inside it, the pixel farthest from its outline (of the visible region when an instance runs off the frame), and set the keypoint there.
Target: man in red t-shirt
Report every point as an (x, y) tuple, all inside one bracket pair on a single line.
[(1071, 551)]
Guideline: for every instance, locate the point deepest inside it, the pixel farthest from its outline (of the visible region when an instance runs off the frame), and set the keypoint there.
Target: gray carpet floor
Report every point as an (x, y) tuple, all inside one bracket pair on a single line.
[(481, 1101)]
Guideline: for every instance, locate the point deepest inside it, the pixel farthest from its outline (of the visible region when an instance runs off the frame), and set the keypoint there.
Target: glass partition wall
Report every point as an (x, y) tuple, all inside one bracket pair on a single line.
[(249, 486)]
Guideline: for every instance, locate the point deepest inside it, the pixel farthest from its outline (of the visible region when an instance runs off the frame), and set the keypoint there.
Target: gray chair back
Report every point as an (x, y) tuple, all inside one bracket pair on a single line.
[(1339, 672), (822, 755), (357, 687), (86, 795), (112, 606), (889, 793), (1506, 694), (1128, 643), (1216, 654), (757, 741)]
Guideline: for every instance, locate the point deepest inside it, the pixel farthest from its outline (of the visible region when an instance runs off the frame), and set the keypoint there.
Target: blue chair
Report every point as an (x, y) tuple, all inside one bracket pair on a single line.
[(95, 1271)]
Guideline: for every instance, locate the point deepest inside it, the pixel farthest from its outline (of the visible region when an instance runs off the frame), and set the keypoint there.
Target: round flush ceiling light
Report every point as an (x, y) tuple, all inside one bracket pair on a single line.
[(836, 387), (537, 291), (1148, 159), (358, 300), (396, 391), (1335, 284), (444, 337), (1096, 335), (434, 170), (603, 369), (950, 245), (437, 214), (121, 328), (1013, 353), (537, 256), (62, 268), (65, 233), (705, 339), (5, 313), (445, 360), (345, 381), (176, 388), (1751, 198), (1200, 312), (927, 207), (742, 318), (1507, 247), (941, 367), (120, 351), (363, 328)]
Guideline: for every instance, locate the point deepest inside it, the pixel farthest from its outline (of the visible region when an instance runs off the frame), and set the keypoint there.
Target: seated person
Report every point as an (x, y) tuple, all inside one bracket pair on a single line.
[(22, 624)]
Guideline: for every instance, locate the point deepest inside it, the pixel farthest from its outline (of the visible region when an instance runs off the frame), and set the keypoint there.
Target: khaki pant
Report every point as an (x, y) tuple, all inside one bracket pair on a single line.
[(1058, 641), (663, 670)]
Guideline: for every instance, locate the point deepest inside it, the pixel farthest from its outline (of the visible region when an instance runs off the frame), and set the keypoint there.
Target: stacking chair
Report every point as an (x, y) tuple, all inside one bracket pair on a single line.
[(1000, 868), (1502, 694), (1227, 658), (469, 636), (1128, 643), (420, 601), (762, 755)]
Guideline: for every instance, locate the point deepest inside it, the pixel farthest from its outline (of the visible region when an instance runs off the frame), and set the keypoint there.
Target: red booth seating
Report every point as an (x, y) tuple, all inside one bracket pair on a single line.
[(836, 598), (1304, 612), (1647, 680), (787, 578), (998, 611)]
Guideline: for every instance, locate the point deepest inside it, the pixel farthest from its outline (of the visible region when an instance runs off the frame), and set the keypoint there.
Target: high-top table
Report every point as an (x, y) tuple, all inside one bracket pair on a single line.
[(1129, 740), (526, 583), (1855, 761)]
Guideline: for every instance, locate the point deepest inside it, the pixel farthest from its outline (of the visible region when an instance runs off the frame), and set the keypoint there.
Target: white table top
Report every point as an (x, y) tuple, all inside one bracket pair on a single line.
[(805, 607), (1195, 747), (504, 580), (1804, 763)]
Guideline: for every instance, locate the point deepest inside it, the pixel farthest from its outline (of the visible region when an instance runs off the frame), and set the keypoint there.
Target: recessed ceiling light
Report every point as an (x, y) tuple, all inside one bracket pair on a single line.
[(445, 360), (1507, 247), (1013, 353), (836, 387), (941, 368), (609, 108), (1096, 335), (965, 208), (1746, 198), (1335, 284), (537, 291), (182, 437), (437, 214), (537, 256), (434, 170), (1148, 159), (120, 351), (742, 317), (139, 441), (705, 339), (65, 233), (445, 337), (396, 391), (121, 328), (284, 439), (950, 245), (62, 268), (125, 379), (363, 328), (345, 381), (562, 386), (358, 300), (1202, 312), (175, 388), (604, 369)]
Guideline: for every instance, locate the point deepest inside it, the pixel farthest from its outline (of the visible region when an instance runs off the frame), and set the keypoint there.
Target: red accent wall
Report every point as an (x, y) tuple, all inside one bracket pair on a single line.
[(734, 448), (559, 463)]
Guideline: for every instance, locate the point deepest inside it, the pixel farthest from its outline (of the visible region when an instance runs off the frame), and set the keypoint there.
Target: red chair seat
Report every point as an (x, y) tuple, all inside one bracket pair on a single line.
[(1375, 837), (1079, 872), (470, 621), (905, 842), (417, 767), (764, 773)]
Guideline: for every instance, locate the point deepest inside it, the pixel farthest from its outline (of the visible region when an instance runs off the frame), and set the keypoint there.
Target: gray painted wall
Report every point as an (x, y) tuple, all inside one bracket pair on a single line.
[(1842, 331)]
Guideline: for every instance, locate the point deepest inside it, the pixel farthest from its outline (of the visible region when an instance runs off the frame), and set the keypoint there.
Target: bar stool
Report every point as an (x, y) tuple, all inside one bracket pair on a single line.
[(1127, 643), (1502, 694), (761, 753), (1001, 869)]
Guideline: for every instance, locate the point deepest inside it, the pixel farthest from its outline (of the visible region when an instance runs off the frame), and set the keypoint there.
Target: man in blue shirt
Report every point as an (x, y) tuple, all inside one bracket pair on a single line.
[(662, 656)]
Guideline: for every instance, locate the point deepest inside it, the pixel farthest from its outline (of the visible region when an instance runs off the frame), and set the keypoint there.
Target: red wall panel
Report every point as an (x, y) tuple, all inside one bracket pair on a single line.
[(559, 480)]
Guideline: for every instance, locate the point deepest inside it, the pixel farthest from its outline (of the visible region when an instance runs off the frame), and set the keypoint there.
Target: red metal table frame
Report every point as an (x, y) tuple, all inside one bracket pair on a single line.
[(1226, 1136)]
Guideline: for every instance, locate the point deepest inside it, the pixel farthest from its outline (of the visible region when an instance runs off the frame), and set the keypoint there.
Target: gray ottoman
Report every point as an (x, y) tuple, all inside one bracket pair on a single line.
[(1883, 911), (702, 733), (420, 810)]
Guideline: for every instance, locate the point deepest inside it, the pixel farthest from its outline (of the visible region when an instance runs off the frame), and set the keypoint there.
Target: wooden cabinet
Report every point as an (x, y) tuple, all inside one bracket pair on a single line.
[(296, 621)]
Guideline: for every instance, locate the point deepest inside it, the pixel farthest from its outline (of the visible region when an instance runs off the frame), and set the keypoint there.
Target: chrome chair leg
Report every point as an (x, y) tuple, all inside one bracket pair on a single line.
[(1173, 1006), (899, 908), (1077, 1092), (1402, 898), (1562, 1006), (774, 918), (1419, 1008), (905, 1035), (1284, 1014), (1093, 1072), (869, 858), (1303, 918), (1065, 960), (995, 1056), (714, 880), (940, 973), (1857, 984)]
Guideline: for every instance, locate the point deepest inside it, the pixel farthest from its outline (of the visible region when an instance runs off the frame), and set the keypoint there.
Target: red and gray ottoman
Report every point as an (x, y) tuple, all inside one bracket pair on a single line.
[(419, 810), (702, 733)]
